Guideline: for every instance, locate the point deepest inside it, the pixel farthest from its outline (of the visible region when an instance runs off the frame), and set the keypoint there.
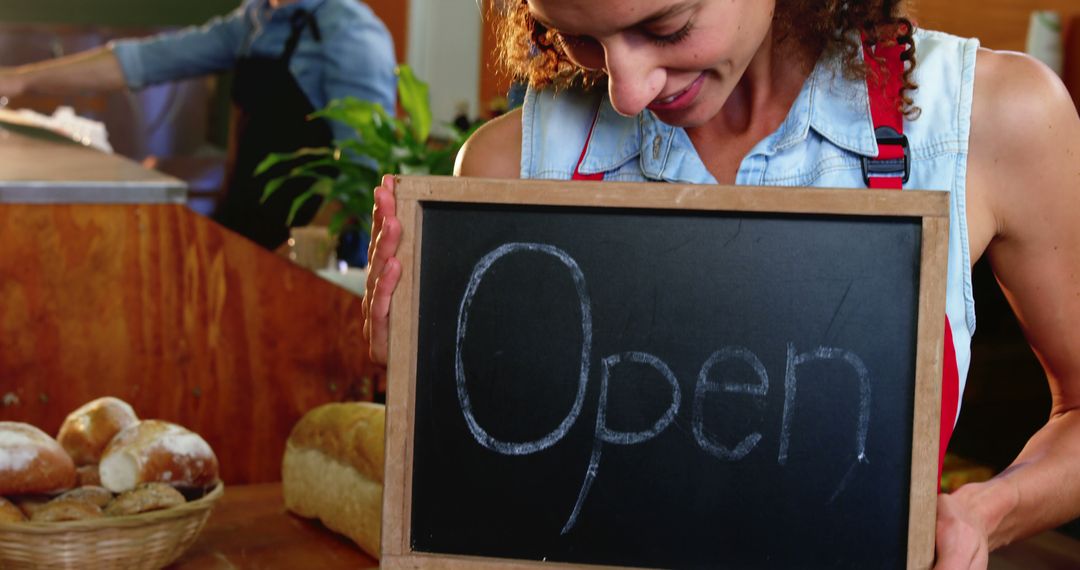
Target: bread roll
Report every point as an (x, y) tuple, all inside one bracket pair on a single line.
[(9, 512), (145, 497), (333, 470), (30, 504), (58, 511), (32, 462), (86, 431), (99, 496), (157, 451)]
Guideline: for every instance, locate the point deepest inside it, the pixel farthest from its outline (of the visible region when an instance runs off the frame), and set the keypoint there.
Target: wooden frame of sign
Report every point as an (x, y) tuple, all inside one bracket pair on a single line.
[(415, 193)]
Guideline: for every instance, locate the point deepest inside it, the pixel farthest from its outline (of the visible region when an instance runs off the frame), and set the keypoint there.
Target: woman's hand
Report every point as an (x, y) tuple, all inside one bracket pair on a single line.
[(11, 83), (961, 541), (383, 272)]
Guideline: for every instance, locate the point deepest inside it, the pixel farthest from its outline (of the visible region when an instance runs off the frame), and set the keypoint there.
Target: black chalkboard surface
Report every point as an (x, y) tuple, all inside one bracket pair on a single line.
[(642, 386)]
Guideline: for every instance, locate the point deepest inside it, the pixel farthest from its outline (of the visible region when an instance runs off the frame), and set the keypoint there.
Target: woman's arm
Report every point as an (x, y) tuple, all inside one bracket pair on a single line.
[(1024, 213), (493, 151), (93, 70), (134, 63)]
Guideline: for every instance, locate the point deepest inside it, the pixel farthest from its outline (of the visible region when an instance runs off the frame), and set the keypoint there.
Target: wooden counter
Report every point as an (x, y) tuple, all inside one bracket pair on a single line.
[(36, 168), (250, 528)]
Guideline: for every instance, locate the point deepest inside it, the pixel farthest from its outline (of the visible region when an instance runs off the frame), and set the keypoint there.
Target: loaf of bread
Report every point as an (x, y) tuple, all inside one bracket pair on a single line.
[(32, 462), (86, 431), (157, 451), (333, 470)]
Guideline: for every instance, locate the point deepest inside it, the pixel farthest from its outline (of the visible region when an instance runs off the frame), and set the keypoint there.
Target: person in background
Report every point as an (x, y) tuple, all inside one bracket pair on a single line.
[(788, 93), (289, 58)]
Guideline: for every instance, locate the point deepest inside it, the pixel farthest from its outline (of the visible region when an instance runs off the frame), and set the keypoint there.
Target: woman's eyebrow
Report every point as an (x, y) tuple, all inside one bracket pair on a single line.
[(663, 13), (667, 12)]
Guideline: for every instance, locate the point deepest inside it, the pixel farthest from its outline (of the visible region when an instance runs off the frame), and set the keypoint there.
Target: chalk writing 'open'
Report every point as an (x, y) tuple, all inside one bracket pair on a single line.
[(604, 434)]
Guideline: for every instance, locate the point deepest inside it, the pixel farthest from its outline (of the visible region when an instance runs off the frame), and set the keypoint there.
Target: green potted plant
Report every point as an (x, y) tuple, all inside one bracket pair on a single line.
[(346, 173)]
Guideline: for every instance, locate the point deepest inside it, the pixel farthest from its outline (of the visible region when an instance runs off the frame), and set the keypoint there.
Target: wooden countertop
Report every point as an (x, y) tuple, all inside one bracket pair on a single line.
[(37, 168), (250, 528)]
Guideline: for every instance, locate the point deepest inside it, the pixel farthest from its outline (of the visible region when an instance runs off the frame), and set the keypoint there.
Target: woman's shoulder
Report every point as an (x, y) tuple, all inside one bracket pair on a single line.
[(494, 150), (1019, 105), (1025, 137), (546, 134), (1018, 75)]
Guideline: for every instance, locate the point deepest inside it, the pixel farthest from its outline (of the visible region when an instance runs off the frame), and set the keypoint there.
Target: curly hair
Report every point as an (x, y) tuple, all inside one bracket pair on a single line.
[(532, 53)]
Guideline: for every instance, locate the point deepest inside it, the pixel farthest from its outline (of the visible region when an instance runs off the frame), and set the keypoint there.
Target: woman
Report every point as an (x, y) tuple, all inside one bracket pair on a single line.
[(288, 58), (775, 92)]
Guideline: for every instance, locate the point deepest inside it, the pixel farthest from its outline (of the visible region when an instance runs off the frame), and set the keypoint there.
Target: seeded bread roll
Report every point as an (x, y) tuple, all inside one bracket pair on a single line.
[(333, 470), (145, 497), (32, 462), (9, 512), (87, 430), (99, 496), (59, 511), (157, 451), (30, 504)]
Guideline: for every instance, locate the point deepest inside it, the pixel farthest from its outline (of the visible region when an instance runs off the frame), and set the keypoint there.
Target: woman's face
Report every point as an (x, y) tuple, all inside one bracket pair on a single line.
[(679, 58)]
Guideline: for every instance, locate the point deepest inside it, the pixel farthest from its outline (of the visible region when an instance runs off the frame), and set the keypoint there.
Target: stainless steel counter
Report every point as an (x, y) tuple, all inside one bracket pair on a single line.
[(39, 168)]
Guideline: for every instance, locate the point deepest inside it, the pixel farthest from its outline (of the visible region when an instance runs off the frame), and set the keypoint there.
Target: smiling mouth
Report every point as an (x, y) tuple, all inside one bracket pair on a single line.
[(672, 98), (680, 99)]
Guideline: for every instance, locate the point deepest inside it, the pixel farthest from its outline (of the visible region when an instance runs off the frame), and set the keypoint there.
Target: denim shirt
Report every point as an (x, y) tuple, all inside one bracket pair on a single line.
[(354, 57), (820, 143)]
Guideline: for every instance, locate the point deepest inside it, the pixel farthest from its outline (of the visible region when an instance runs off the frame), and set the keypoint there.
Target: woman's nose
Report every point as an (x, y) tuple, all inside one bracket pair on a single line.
[(634, 80)]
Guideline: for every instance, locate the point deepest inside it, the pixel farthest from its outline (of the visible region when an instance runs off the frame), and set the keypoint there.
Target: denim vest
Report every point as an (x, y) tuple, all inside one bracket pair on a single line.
[(820, 143)]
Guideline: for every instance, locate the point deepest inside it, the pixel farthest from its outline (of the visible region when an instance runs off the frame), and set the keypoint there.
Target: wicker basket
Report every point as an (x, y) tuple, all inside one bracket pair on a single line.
[(147, 540)]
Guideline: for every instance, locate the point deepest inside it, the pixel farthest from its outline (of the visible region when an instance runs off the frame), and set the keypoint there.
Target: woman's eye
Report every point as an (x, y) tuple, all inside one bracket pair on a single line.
[(582, 50), (672, 38), (570, 41)]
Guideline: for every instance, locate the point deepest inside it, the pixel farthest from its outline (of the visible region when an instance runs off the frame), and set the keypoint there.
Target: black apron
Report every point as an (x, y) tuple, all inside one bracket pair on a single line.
[(269, 115)]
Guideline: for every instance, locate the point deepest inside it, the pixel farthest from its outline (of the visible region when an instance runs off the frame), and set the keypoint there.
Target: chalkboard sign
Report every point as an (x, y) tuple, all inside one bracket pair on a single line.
[(664, 376)]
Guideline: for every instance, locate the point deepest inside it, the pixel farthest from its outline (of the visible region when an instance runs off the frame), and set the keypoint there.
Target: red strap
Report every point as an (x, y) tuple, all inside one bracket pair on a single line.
[(577, 169), (950, 395), (887, 182), (885, 87)]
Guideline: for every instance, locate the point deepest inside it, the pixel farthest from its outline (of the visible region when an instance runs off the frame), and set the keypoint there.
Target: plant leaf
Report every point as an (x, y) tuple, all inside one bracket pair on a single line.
[(276, 158), (271, 187), (350, 111), (414, 100), (320, 187), (337, 222)]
